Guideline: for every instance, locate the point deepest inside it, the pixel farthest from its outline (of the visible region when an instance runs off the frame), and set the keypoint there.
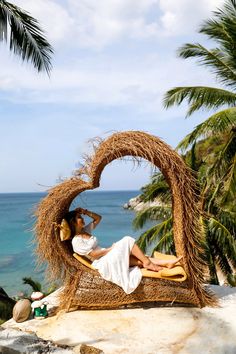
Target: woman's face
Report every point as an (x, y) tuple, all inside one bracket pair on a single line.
[(79, 222)]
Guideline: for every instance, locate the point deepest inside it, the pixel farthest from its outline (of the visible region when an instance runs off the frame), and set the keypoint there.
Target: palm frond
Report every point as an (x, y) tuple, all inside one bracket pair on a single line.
[(199, 97), (222, 171), (166, 244), (230, 181), (156, 191), (152, 213), (213, 58), (144, 238), (159, 235), (222, 29), (222, 239), (231, 278), (218, 123), (227, 218), (26, 37), (36, 286)]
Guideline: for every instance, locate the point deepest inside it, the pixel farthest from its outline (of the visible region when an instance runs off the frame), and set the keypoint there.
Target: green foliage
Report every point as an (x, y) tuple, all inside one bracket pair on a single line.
[(210, 150), (25, 37), (231, 278), (6, 306), (5, 311), (199, 97), (36, 286)]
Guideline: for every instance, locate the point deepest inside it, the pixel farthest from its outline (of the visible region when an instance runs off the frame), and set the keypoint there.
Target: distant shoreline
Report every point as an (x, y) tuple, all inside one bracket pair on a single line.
[(88, 191)]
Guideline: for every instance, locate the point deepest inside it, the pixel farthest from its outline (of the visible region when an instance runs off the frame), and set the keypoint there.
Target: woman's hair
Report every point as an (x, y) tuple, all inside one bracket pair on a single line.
[(71, 218)]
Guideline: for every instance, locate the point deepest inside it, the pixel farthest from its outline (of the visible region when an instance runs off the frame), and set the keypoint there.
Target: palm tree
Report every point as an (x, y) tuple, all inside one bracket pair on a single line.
[(24, 35), (219, 187), (221, 60), (219, 218)]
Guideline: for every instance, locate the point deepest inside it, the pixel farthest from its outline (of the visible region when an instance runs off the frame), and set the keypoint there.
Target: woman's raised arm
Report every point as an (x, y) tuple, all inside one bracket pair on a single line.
[(96, 217)]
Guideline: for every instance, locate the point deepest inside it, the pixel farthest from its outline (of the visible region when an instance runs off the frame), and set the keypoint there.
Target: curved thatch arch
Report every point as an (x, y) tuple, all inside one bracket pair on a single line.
[(187, 228)]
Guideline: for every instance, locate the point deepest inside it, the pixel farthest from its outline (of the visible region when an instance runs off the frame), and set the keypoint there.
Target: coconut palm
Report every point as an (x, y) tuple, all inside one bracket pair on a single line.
[(221, 60), (213, 157), (24, 36), (218, 216)]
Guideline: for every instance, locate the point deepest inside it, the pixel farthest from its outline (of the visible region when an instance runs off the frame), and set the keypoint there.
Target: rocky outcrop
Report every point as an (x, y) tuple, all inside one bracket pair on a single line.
[(167, 330), (13, 341), (137, 204), (18, 342)]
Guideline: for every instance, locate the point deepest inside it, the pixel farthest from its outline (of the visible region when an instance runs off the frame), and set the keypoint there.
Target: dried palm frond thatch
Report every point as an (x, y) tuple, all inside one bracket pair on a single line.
[(84, 287)]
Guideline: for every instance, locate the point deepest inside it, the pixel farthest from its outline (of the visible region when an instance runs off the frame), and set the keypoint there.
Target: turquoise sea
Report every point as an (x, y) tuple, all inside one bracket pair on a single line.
[(16, 221)]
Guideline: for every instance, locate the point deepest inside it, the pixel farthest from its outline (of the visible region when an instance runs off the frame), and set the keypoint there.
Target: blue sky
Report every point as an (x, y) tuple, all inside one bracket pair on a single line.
[(113, 62)]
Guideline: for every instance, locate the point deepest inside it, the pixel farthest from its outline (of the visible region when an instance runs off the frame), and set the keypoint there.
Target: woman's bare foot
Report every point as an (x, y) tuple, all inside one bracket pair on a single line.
[(173, 262), (168, 264), (151, 266)]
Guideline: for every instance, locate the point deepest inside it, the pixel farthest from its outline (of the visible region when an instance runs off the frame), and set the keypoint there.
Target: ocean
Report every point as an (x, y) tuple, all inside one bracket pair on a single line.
[(17, 258)]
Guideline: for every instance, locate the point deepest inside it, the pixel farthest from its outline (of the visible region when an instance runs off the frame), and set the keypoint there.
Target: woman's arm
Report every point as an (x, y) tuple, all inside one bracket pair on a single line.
[(97, 253), (96, 218)]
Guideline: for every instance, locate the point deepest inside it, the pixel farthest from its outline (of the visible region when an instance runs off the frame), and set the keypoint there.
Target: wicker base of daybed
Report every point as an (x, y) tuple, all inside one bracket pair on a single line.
[(90, 291)]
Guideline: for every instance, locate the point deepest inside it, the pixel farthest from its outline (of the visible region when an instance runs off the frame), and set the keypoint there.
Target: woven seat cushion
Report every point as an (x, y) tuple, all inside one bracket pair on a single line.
[(83, 260), (176, 273)]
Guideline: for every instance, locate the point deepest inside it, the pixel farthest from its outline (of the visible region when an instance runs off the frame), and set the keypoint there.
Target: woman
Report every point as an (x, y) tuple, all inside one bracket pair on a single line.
[(119, 263)]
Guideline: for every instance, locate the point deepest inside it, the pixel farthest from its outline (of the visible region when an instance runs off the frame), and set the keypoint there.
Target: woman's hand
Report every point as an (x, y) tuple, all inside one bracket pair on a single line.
[(81, 211)]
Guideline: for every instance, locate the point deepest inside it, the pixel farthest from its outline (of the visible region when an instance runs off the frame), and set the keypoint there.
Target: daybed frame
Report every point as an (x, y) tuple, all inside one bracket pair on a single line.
[(83, 287)]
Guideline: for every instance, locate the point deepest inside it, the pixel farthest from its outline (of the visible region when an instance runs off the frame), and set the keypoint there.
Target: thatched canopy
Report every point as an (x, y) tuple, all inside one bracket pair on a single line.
[(187, 227)]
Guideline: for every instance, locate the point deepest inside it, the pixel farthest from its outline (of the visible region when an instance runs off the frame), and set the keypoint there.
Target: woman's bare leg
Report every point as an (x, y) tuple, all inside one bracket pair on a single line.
[(170, 263), (146, 261), (133, 261)]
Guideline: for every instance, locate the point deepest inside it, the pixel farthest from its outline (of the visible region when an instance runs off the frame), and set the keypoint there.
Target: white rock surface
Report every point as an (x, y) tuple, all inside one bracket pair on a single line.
[(13, 341), (137, 205), (151, 330)]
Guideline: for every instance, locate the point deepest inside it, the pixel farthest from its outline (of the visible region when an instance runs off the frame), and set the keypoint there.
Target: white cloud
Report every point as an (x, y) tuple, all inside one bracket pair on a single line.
[(54, 18), (112, 65), (183, 16), (95, 24), (139, 84)]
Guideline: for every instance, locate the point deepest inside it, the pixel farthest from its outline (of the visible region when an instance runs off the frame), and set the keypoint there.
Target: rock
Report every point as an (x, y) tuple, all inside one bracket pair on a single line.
[(137, 205), (132, 203), (18, 342), (86, 349), (22, 310), (145, 329)]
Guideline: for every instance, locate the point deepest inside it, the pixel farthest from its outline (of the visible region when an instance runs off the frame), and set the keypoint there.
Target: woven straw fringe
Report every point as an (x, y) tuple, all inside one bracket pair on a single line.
[(83, 287)]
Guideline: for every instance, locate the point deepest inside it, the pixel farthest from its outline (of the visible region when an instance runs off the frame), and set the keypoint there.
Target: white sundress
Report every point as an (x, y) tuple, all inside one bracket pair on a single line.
[(114, 266)]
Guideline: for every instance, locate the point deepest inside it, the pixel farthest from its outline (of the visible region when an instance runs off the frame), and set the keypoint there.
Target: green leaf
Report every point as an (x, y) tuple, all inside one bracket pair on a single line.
[(213, 59), (152, 213), (36, 286), (26, 38), (219, 123), (199, 97)]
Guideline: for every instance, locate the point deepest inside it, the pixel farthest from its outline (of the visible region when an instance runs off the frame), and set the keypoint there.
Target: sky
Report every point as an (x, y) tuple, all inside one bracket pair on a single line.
[(113, 61)]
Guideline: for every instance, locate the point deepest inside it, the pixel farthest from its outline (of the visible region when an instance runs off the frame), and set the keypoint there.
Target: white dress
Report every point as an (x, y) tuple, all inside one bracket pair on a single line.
[(114, 266)]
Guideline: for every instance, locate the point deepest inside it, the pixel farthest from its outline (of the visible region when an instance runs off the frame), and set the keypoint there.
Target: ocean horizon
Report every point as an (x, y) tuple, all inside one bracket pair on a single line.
[(17, 259)]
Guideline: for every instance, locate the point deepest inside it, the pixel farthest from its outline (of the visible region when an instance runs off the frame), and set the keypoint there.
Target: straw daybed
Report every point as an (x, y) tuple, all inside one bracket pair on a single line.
[(83, 287)]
